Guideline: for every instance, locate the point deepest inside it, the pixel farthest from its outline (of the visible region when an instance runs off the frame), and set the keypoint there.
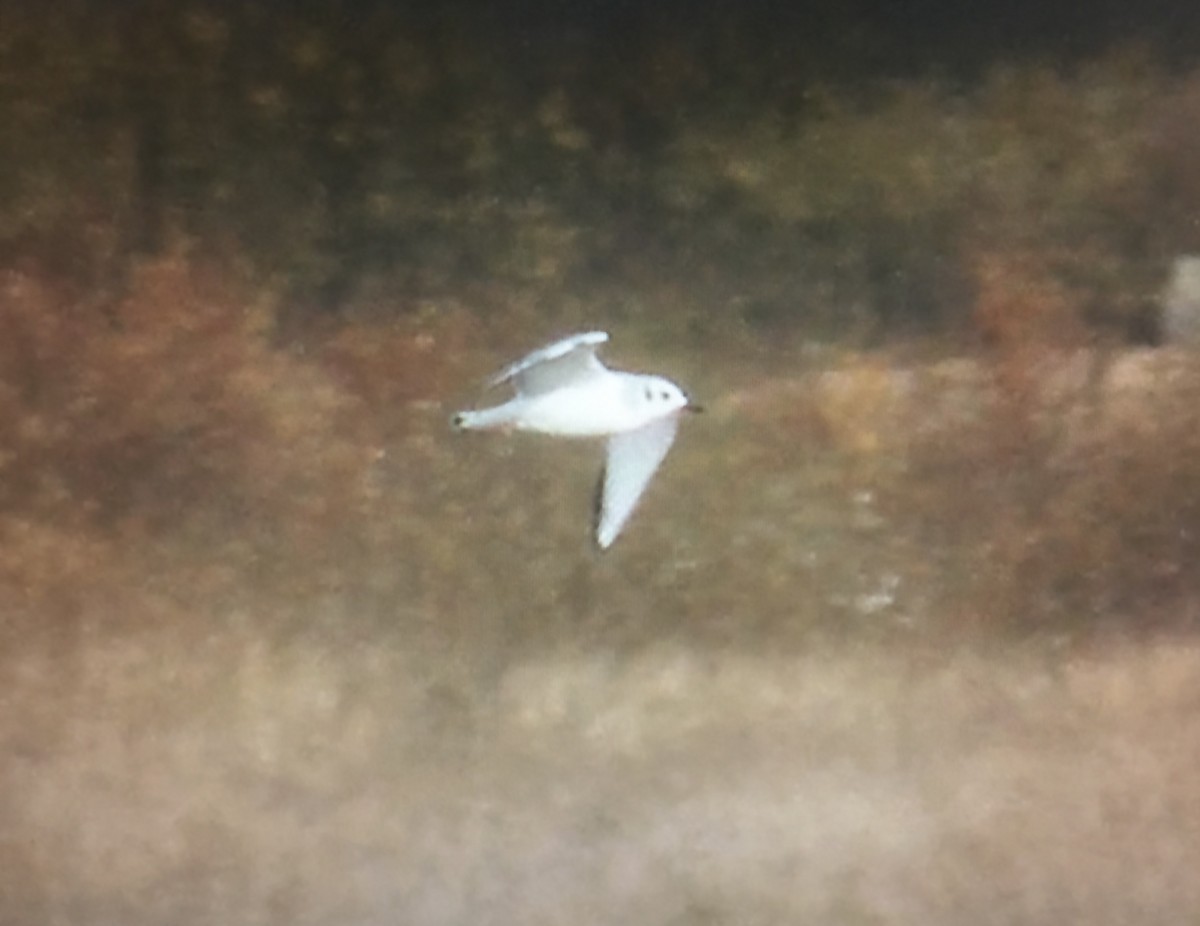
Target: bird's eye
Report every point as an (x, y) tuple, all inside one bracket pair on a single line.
[(649, 395), (664, 395)]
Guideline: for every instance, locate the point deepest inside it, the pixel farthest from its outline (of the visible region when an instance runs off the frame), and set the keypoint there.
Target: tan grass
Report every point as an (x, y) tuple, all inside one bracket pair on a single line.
[(235, 778)]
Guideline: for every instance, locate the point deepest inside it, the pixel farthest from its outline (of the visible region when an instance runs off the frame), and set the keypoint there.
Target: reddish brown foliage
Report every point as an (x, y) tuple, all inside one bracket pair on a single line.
[(172, 400)]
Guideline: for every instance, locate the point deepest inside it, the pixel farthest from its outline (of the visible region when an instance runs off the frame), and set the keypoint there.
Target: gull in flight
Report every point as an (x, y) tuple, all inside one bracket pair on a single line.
[(564, 390)]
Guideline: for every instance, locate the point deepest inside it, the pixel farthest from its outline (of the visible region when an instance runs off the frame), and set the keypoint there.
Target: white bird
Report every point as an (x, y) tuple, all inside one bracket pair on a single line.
[(563, 390)]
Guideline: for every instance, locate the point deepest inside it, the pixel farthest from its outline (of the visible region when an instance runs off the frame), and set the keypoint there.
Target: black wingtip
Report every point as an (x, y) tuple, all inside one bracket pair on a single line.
[(597, 511)]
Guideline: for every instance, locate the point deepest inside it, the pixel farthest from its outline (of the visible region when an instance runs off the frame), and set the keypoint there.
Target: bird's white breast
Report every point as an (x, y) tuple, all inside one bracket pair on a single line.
[(596, 407)]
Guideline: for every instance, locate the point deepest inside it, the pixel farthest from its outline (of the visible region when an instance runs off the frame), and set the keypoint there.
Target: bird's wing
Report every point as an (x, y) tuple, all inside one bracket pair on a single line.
[(562, 363), (633, 456)]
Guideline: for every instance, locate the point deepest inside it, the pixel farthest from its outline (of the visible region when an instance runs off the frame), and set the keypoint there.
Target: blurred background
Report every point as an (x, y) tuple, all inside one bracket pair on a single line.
[(905, 630)]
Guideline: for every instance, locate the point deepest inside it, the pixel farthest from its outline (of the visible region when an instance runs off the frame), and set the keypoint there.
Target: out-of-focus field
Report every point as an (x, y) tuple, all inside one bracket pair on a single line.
[(228, 775), (888, 640), (904, 631)]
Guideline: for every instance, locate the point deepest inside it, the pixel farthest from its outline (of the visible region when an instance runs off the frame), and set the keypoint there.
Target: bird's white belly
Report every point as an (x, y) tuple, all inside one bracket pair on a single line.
[(595, 409)]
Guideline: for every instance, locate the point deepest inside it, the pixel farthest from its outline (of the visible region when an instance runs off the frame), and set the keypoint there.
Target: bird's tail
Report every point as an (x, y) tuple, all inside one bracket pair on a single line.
[(482, 419)]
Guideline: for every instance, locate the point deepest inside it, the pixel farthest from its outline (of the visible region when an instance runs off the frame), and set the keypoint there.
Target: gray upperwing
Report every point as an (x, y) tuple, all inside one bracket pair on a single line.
[(559, 364), (633, 457)]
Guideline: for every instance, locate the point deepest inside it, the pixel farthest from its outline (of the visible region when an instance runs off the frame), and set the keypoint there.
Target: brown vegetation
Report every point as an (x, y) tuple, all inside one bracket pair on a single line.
[(279, 647), (901, 633)]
